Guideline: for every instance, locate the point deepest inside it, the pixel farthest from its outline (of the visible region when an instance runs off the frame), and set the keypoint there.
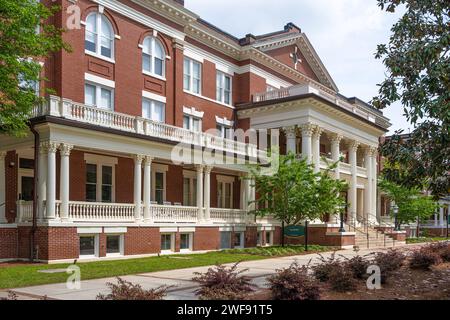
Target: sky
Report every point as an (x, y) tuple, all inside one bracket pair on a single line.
[(345, 34)]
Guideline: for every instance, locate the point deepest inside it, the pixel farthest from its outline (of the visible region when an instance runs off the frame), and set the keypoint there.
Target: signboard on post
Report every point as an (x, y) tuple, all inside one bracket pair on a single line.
[(294, 231)]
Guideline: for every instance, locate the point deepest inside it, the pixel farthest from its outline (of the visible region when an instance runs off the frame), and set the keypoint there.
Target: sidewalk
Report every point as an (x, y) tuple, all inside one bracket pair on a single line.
[(183, 288)]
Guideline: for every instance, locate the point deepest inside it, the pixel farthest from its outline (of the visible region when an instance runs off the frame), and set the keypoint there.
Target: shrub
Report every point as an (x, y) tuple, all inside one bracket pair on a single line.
[(125, 290), (322, 270), (388, 262), (423, 259), (293, 283), (341, 279), (358, 266), (442, 249), (223, 283)]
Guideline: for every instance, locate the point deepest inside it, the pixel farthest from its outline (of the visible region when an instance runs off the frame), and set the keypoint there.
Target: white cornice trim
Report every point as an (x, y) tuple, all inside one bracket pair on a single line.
[(99, 80), (154, 96), (135, 15), (193, 112)]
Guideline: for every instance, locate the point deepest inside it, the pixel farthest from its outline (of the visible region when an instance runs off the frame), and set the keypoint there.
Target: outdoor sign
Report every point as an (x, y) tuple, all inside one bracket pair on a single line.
[(294, 231)]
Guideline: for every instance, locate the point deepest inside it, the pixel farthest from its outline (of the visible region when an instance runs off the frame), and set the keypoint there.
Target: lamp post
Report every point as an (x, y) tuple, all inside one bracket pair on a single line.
[(395, 209), (341, 215)]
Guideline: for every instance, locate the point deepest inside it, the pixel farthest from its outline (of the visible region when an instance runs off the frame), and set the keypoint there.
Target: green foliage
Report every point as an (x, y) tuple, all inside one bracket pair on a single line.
[(418, 68), (295, 193), (21, 48), (277, 251), (410, 202)]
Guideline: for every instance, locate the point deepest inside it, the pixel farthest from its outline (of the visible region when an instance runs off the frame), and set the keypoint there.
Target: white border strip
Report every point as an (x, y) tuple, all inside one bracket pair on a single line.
[(99, 80), (153, 96)]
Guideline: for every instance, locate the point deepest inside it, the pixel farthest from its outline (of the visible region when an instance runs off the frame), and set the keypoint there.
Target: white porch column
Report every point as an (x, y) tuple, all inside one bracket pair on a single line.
[(316, 148), (64, 184), (147, 189), (2, 187), (244, 192), (251, 194), (42, 180), (200, 192), (138, 187), (336, 152), (441, 216), (307, 133), (374, 184), (51, 180), (353, 195), (368, 190), (291, 139), (207, 194)]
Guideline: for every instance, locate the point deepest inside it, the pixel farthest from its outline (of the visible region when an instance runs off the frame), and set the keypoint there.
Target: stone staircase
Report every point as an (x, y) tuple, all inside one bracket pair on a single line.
[(369, 237)]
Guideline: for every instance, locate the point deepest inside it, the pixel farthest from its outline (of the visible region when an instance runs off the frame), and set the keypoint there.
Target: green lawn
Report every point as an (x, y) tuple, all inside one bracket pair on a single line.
[(28, 275), (423, 240)]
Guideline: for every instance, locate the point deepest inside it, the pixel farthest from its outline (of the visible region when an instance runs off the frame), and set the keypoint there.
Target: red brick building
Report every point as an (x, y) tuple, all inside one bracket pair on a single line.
[(102, 174)]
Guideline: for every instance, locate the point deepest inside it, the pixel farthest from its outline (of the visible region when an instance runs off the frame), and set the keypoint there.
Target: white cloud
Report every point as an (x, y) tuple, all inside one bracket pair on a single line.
[(345, 34)]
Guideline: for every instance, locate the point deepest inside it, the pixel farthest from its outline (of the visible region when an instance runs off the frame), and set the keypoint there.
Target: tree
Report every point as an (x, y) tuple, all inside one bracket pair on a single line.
[(418, 69), (295, 193), (25, 39), (410, 202)]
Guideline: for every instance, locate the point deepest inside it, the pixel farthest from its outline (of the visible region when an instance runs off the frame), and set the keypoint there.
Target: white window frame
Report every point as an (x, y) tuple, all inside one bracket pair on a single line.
[(222, 76), (153, 103), (270, 242), (191, 75), (152, 73), (191, 241), (98, 50), (121, 245), (96, 245), (242, 239), (159, 168), (172, 242), (224, 180), (191, 176), (98, 92), (101, 161)]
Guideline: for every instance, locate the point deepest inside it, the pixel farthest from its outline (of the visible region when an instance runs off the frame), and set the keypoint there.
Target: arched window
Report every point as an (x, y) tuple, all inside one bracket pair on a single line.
[(99, 37), (153, 56)]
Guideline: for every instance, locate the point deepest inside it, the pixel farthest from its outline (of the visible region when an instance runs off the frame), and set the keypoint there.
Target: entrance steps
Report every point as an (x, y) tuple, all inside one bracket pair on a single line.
[(369, 237)]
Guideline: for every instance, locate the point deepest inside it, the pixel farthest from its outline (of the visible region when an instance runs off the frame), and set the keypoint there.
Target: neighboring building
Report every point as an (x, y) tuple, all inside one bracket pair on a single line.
[(143, 77)]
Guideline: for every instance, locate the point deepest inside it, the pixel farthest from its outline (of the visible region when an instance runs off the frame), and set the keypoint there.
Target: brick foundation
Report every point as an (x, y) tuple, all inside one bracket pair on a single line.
[(325, 236), (8, 241), (206, 239)]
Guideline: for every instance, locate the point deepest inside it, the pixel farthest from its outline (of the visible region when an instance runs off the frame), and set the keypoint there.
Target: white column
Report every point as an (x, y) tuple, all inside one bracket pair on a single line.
[(307, 133), (336, 152), (2, 187), (147, 189), (64, 184), (251, 194), (353, 195), (207, 194), (42, 180), (138, 187), (441, 216), (244, 189), (316, 148), (374, 185), (368, 189), (200, 192), (51, 180), (291, 139)]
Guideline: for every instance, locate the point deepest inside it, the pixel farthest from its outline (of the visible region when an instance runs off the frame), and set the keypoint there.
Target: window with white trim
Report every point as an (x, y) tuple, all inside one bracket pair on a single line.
[(89, 246), (239, 239), (224, 131), (223, 87), (192, 76), (99, 96), (192, 123), (153, 57), (167, 242), (269, 238), (153, 110), (189, 190), (225, 192), (99, 35), (160, 187), (114, 244), (99, 183), (186, 241)]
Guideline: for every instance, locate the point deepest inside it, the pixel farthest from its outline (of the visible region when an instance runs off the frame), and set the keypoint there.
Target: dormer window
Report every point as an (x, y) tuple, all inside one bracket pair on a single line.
[(99, 36), (153, 57)]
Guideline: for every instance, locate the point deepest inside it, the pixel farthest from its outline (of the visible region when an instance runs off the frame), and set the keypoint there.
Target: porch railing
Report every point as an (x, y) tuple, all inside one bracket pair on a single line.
[(89, 211), (174, 214), (105, 118), (229, 216), (24, 211)]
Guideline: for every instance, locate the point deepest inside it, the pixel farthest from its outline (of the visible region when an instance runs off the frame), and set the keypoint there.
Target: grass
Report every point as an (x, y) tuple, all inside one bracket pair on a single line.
[(27, 275), (425, 239)]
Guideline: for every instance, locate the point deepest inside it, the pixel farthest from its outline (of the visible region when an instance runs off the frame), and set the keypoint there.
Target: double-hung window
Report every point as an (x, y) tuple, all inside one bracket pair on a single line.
[(224, 131), (98, 96), (189, 191), (225, 194), (99, 36), (192, 80), (223, 86), (153, 110), (153, 57), (192, 123), (159, 187), (99, 183)]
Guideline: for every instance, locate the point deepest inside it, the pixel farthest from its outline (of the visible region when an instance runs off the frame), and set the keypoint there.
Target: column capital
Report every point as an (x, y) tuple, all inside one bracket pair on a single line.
[(50, 147), (199, 168), (308, 129), (318, 131), (65, 149), (336, 137), (148, 160), (371, 151), (291, 131), (353, 145), (208, 169), (138, 158)]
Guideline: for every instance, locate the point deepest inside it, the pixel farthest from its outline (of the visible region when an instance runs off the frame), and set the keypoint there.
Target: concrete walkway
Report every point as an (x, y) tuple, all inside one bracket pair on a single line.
[(183, 288)]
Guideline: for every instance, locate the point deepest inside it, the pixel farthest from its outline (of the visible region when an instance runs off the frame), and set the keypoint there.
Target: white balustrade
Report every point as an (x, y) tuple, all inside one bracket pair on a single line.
[(229, 215), (24, 211), (92, 211), (174, 214)]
